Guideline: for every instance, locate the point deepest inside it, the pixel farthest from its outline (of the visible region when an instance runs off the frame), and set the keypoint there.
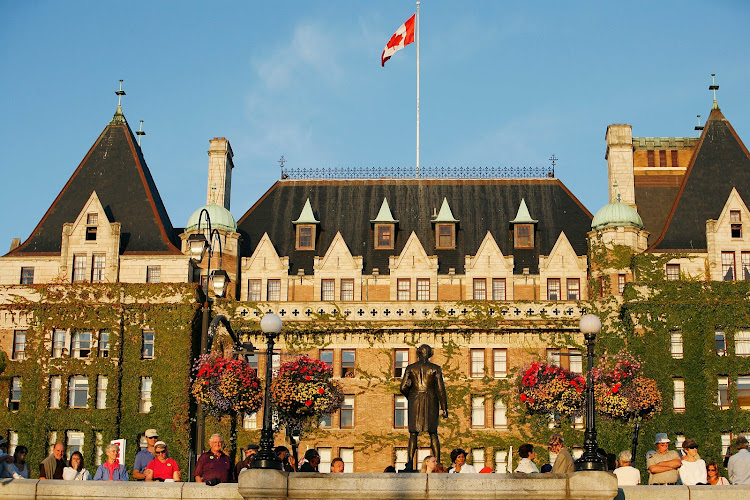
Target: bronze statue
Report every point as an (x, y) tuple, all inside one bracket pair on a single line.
[(423, 386)]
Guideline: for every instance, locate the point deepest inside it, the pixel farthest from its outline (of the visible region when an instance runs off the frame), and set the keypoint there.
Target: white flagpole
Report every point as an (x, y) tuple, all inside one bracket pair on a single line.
[(417, 89)]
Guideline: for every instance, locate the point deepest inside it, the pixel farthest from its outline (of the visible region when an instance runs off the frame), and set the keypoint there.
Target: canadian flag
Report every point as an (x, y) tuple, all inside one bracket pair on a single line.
[(403, 36)]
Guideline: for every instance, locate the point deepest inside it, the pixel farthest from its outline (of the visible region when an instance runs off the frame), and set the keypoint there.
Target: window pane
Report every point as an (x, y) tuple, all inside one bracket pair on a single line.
[(722, 399), (480, 289), (253, 290), (721, 343), (477, 411), (153, 274), (97, 268), (327, 289), (498, 289), (727, 266), (745, 256), (15, 393), (325, 460), (576, 361), (19, 345), (347, 412), (250, 421), (676, 345), (400, 412), (101, 392), (81, 344), (145, 403), (423, 289), (104, 344), (148, 345), (347, 363), (620, 283), (347, 289), (553, 289), (501, 461), (78, 392), (574, 288), (403, 291), (400, 362), (326, 356), (742, 343), (347, 455), (27, 275), (477, 363), (679, 395), (75, 442), (274, 290), (79, 268), (500, 414), (673, 272), (54, 391), (743, 391), (500, 362)]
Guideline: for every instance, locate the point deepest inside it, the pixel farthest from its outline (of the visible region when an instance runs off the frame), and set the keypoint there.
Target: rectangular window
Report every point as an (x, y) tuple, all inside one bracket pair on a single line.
[(745, 257), (99, 448), (498, 289), (726, 441), (400, 412), (153, 274), (347, 455), (348, 363), (477, 458), (736, 223), (104, 344), (326, 356), (620, 283), (19, 345), (727, 266), (325, 455), (250, 421), (675, 347), (722, 399), (663, 159), (403, 289), (500, 416), (673, 272), (75, 442), (101, 392), (401, 456), (675, 159), (55, 383), (500, 363), (327, 288), (477, 363), (27, 275), (325, 421), (347, 290), (97, 267), (81, 347), (144, 405), (147, 351), (721, 343), (574, 288), (501, 461), (524, 236), (553, 289), (305, 237), (553, 357), (446, 239), (743, 391), (51, 441), (423, 288), (576, 361), (384, 238), (253, 290), (12, 441), (480, 289), (347, 413), (252, 360), (78, 392), (678, 401), (79, 268), (742, 343), (578, 422), (477, 411), (400, 362), (650, 158), (274, 290), (14, 402)]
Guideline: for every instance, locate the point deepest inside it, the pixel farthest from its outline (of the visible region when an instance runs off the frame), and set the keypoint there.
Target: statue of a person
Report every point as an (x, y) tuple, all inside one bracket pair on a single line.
[(423, 386)]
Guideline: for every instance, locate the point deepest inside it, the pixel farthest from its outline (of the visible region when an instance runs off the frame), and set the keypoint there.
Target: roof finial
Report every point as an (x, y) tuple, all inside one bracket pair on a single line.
[(282, 162), (699, 126), (139, 133), (714, 87), (553, 159), (119, 93)]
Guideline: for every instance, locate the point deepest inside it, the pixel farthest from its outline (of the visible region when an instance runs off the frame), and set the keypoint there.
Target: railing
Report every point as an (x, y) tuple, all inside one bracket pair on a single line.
[(428, 172)]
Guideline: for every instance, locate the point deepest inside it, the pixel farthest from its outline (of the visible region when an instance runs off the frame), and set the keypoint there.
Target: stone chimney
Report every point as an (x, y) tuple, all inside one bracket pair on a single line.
[(220, 167), (15, 244), (619, 158)]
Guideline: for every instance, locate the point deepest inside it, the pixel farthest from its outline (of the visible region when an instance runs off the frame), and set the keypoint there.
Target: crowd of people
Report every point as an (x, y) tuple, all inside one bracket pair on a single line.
[(152, 463)]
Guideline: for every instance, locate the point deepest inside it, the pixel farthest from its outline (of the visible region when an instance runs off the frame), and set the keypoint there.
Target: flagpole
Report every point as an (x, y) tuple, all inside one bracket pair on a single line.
[(417, 89)]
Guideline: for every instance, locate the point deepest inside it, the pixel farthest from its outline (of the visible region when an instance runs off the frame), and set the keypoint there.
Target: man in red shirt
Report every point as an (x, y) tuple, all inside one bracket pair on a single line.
[(213, 466), (162, 468)]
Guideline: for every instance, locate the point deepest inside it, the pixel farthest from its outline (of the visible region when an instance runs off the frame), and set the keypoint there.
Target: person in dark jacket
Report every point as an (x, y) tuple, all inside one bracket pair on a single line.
[(312, 460)]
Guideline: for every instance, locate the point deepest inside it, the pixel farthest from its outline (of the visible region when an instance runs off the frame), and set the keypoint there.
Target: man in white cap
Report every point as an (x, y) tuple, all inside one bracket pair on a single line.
[(143, 457), (663, 464)]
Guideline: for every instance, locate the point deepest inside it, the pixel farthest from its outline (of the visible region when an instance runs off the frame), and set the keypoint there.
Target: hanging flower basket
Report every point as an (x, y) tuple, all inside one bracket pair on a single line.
[(548, 388), (621, 392), (303, 391), (224, 385)]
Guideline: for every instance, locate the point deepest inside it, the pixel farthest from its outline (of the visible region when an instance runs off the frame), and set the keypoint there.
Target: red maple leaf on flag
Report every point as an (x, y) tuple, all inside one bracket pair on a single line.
[(395, 40)]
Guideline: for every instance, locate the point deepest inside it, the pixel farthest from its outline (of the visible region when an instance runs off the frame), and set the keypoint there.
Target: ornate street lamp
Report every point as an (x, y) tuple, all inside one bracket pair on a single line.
[(199, 246), (266, 458), (590, 326)]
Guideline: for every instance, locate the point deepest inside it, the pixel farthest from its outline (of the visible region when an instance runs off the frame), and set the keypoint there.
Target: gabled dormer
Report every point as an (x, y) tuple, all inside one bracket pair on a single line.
[(445, 228), (523, 228), (728, 240), (384, 227), (306, 225)]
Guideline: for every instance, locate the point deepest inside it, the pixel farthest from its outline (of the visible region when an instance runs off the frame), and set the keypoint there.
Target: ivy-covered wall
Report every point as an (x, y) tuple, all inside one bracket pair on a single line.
[(125, 311)]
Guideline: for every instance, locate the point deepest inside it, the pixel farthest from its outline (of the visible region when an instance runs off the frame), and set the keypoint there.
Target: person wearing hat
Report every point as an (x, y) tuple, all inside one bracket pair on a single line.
[(458, 459), (250, 451), (144, 457), (162, 468), (663, 464), (739, 463)]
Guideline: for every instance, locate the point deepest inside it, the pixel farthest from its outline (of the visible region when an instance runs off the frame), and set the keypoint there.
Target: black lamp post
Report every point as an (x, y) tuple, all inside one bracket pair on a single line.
[(590, 326), (266, 458), (199, 246)]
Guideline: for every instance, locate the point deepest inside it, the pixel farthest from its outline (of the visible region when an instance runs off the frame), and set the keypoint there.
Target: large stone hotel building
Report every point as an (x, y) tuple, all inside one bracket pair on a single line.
[(100, 316)]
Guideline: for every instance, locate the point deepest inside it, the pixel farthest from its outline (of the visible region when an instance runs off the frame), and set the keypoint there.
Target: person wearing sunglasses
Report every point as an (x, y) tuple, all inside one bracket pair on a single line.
[(162, 468), (144, 457), (714, 479), (693, 469)]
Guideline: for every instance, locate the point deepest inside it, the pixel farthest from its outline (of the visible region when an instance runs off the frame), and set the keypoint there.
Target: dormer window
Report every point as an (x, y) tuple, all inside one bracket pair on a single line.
[(735, 223), (446, 236), (524, 236), (305, 237), (91, 225), (384, 236)]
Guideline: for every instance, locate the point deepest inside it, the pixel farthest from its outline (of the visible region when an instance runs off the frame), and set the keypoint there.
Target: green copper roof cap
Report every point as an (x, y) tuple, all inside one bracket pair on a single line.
[(523, 216), (306, 216), (617, 214), (445, 214), (384, 215), (221, 218)]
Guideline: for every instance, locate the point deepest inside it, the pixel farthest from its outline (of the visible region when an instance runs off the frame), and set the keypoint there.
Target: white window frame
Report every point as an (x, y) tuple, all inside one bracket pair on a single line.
[(742, 343), (79, 342), (575, 358), (347, 290), (477, 458), (148, 339), (59, 342), (722, 394), (743, 402), (101, 392), (478, 412), (498, 289), (553, 289), (153, 274), (55, 388), (250, 421), (327, 290), (501, 461), (253, 290), (676, 348), (75, 441), (326, 456), (16, 393), (78, 384), (144, 404), (347, 455), (479, 289), (400, 362), (104, 346), (476, 363), (19, 345), (423, 289), (79, 268), (500, 414), (500, 362), (98, 267), (348, 407), (273, 290), (400, 412), (678, 400), (403, 289)]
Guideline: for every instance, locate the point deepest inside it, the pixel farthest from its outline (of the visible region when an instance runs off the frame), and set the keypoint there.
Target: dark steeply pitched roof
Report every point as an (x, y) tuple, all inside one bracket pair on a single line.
[(721, 162), (115, 168), (480, 205), (654, 195)]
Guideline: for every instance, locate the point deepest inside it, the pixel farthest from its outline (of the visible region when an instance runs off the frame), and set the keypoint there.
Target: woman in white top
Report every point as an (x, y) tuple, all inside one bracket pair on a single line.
[(458, 458), (18, 469), (693, 469), (714, 478), (526, 465), (76, 472)]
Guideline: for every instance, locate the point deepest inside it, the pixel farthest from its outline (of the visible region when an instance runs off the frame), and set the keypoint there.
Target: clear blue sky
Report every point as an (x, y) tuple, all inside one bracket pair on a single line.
[(502, 84)]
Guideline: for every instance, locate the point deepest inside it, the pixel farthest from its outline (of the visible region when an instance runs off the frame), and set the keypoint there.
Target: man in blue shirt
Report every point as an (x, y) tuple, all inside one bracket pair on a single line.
[(143, 457)]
